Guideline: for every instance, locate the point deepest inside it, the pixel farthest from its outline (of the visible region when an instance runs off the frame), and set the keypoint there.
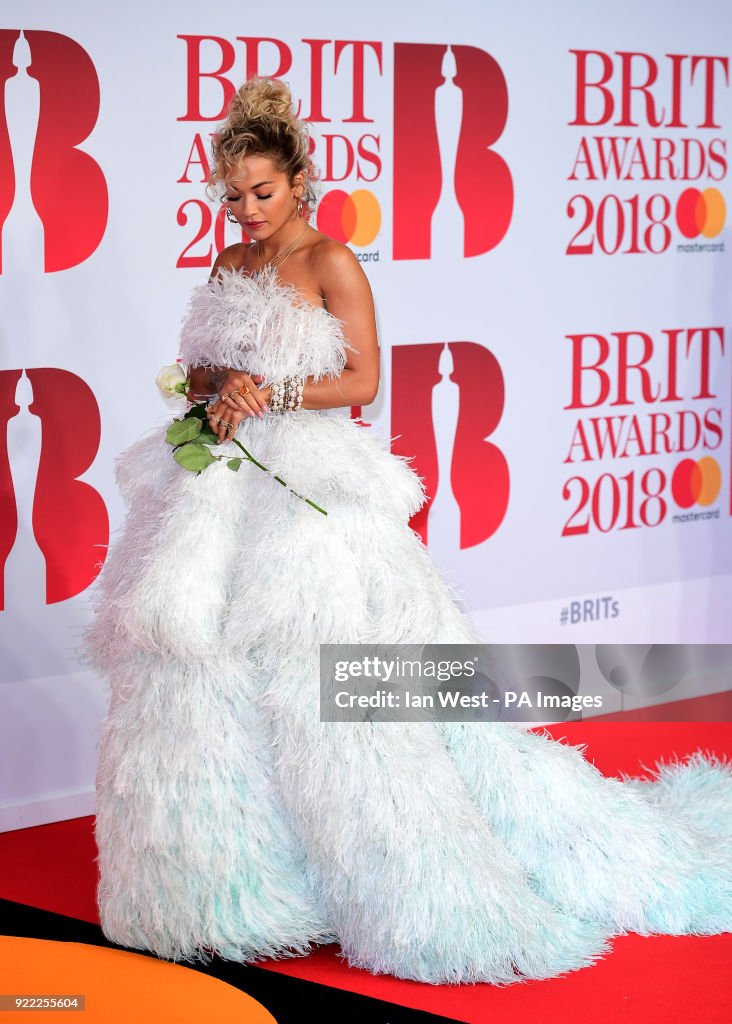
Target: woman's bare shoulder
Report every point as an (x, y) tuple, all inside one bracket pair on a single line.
[(334, 263), (233, 257)]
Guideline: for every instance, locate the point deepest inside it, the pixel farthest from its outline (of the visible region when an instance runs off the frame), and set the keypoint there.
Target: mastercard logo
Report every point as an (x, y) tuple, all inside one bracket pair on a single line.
[(696, 482), (701, 213), (354, 217)]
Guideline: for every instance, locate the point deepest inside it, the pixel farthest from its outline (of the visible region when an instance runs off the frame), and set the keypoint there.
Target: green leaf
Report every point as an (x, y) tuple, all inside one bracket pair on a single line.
[(194, 456), (207, 435), (234, 464), (197, 412), (183, 430)]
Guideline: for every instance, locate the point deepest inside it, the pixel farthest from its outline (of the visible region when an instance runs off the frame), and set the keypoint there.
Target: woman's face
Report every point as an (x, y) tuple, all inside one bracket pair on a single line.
[(261, 197)]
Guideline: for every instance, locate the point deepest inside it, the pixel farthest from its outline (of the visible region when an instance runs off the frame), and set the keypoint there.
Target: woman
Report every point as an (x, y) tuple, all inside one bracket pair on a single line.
[(230, 818)]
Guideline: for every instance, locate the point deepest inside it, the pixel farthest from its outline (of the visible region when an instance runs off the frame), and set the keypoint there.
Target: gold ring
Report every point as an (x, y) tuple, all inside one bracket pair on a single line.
[(244, 390)]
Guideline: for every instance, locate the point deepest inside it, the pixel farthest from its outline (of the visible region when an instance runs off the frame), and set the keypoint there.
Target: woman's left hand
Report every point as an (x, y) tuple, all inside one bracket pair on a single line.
[(225, 414)]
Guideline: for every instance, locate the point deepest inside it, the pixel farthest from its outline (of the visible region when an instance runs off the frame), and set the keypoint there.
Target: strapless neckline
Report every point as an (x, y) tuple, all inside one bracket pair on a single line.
[(268, 280)]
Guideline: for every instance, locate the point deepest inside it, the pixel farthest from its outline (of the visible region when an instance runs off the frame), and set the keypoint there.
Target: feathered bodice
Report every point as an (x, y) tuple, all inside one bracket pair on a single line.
[(260, 324)]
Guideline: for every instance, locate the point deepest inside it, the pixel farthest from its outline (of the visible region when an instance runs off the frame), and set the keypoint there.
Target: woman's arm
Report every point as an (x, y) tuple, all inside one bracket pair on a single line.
[(348, 297)]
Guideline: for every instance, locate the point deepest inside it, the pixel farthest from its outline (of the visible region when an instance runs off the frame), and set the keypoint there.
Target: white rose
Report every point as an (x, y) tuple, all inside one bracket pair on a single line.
[(172, 380)]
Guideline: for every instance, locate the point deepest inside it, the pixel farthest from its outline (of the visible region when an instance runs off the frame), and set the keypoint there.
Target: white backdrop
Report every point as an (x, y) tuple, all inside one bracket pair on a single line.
[(533, 191)]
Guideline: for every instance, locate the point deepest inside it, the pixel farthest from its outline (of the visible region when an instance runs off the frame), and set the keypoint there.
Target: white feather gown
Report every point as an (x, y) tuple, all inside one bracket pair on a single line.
[(230, 818)]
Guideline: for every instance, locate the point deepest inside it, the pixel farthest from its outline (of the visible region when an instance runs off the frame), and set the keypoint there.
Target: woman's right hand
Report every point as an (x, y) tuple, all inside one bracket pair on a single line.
[(232, 407), (255, 400)]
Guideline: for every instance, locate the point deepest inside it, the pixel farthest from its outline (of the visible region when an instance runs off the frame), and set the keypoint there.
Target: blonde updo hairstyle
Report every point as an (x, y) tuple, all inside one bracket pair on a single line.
[(261, 121)]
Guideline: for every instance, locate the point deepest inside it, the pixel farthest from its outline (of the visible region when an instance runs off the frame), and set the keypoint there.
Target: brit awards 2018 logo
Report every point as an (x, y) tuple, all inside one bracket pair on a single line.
[(650, 127), (345, 145), (640, 405), (51, 104)]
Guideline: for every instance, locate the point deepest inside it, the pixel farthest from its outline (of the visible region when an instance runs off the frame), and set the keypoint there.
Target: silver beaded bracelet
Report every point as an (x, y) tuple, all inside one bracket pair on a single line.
[(287, 394)]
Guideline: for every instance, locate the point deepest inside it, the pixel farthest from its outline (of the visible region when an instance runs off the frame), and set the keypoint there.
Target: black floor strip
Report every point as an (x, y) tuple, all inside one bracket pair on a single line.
[(289, 1000)]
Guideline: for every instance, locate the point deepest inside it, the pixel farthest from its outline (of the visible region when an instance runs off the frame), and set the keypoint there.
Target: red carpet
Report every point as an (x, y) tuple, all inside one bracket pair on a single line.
[(661, 978)]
